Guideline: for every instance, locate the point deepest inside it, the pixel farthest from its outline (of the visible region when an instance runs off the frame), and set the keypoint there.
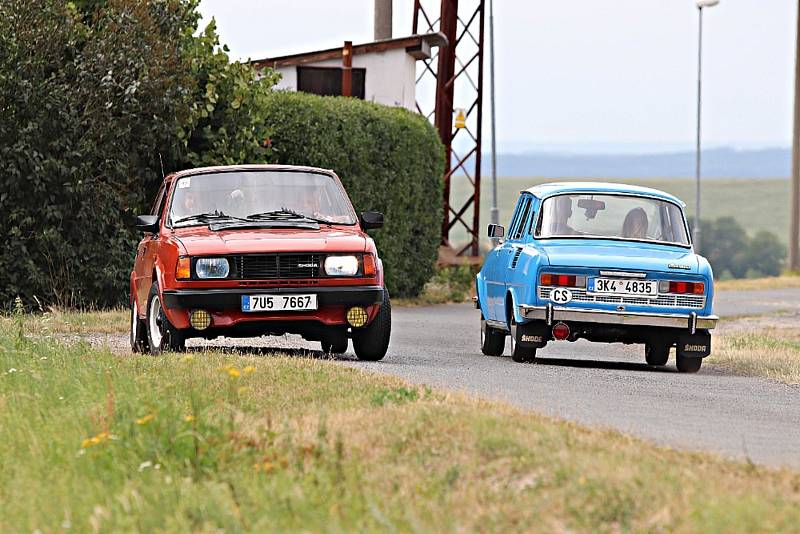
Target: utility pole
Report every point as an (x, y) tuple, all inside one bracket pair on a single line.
[(794, 230), (495, 217)]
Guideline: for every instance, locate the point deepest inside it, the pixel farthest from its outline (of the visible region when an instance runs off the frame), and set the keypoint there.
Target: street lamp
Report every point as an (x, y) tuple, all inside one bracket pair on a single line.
[(701, 4), (495, 218)]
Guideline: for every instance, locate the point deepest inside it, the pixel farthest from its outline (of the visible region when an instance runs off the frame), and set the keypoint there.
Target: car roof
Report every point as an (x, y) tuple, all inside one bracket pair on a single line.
[(248, 167), (560, 188)]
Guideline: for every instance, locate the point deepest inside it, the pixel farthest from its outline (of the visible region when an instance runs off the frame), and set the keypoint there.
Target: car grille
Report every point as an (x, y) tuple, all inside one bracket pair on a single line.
[(278, 266), (671, 301)]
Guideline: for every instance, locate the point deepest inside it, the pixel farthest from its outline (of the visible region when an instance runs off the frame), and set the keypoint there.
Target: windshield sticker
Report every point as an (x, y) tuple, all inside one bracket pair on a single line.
[(184, 182)]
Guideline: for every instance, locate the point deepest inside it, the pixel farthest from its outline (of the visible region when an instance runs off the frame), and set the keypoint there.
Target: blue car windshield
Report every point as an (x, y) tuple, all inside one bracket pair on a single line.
[(609, 216)]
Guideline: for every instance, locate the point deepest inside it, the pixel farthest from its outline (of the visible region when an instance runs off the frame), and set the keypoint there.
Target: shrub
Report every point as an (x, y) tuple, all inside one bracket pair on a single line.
[(90, 93), (389, 159), (733, 254)]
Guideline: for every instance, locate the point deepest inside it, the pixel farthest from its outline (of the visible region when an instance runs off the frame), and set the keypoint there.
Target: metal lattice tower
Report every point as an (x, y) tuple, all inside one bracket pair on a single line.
[(454, 76)]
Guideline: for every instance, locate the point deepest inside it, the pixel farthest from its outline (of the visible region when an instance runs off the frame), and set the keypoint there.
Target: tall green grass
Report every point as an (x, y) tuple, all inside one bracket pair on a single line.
[(93, 441)]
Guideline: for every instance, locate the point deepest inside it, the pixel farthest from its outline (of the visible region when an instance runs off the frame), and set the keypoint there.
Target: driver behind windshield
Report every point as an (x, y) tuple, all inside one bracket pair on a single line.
[(561, 214)]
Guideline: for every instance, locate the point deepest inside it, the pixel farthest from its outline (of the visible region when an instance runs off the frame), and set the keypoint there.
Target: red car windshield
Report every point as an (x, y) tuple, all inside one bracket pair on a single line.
[(255, 195), (613, 217)]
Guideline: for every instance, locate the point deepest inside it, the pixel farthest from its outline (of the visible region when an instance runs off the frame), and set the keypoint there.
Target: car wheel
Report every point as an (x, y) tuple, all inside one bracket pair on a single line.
[(334, 344), (493, 341), (138, 332), (688, 365), (161, 335), (371, 342), (520, 354), (656, 353)]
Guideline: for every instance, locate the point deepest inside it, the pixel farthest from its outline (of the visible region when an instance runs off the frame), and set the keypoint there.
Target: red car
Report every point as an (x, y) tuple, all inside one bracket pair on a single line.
[(253, 250)]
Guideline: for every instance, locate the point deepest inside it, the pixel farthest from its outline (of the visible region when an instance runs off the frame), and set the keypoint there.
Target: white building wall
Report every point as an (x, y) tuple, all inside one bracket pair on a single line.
[(389, 79)]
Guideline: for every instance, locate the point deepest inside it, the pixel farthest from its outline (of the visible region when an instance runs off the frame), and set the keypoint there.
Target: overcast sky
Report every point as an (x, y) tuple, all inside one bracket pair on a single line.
[(582, 75)]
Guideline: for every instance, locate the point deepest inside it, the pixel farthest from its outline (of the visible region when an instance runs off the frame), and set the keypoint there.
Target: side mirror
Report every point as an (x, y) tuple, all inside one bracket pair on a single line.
[(496, 231), (147, 224), (371, 220)]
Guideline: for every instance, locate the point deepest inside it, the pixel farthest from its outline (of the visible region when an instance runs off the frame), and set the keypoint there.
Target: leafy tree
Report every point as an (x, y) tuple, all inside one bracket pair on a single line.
[(732, 253), (90, 93)]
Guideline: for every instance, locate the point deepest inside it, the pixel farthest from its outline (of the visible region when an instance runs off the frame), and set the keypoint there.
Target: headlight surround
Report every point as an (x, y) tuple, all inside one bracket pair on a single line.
[(341, 265), (212, 268)]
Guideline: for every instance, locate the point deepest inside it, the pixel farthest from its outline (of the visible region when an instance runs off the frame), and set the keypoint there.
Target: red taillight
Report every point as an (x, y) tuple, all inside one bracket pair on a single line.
[(683, 288), (563, 280)]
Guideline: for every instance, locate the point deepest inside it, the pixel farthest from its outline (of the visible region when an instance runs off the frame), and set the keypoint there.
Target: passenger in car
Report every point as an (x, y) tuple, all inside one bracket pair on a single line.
[(635, 224)]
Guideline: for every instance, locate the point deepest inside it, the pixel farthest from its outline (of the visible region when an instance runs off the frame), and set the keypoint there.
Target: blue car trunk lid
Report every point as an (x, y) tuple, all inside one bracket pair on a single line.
[(621, 255)]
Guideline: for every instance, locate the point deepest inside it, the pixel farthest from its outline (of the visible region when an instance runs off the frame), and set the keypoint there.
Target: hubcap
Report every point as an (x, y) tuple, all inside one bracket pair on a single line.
[(513, 335), (155, 322), (134, 323)]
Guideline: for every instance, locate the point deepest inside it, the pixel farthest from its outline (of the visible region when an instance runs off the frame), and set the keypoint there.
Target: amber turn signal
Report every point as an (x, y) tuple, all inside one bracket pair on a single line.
[(369, 265), (183, 271)]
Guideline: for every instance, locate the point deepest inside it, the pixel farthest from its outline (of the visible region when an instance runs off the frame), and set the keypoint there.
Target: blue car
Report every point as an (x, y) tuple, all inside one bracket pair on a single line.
[(609, 263)]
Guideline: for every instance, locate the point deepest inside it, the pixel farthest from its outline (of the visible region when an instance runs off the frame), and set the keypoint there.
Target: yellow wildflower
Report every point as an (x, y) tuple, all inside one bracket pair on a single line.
[(94, 440), (146, 419), (233, 372), (266, 467), (250, 369), (188, 418)]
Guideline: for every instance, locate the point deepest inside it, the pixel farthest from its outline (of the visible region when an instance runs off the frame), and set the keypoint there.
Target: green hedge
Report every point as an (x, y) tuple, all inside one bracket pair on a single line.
[(389, 159)]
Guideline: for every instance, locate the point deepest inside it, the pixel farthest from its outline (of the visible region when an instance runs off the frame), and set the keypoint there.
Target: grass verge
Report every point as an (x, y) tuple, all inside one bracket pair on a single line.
[(767, 346), (786, 281), (209, 441)]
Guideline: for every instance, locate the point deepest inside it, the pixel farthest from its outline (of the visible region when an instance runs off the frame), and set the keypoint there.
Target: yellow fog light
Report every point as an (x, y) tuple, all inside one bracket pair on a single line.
[(357, 317), (200, 319)]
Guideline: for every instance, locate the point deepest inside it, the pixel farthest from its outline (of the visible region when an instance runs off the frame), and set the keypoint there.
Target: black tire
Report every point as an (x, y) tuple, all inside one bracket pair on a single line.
[(520, 354), (138, 331), (334, 343), (162, 336), (493, 341), (656, 354), (372, 341), (688, 365)]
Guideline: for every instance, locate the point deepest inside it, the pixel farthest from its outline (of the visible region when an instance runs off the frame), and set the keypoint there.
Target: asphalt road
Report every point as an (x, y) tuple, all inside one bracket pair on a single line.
[(605, 385)]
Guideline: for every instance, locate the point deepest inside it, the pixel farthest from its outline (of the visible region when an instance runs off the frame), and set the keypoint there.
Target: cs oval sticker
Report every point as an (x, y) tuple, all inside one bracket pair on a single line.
[(561, 296)]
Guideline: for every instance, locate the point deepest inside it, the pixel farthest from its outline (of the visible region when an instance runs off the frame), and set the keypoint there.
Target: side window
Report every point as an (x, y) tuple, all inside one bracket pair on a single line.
[(515, 217), (158, 205), (519, 230), (532, 219)]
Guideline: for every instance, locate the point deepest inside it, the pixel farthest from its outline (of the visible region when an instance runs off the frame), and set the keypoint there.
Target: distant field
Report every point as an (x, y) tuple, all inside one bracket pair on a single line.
[(757, 204)]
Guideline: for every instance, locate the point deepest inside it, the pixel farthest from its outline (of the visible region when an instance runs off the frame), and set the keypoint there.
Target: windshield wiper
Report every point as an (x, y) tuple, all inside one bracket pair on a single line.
[(206, 217), (284, 214)]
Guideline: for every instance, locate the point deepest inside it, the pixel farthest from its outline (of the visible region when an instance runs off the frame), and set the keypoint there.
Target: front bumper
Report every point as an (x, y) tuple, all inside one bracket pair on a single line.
[(231, 299), (552, 314)]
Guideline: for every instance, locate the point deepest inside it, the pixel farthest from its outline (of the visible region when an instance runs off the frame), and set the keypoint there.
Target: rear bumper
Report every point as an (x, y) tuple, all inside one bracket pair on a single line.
[(551, 314), (231, 299)]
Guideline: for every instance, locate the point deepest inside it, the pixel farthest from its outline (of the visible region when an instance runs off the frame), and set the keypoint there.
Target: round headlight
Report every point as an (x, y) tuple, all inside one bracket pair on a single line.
[(212, 268), (341, 265)]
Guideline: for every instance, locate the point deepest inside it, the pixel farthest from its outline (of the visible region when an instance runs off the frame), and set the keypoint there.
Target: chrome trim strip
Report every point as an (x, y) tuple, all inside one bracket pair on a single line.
[(670, 320), (623, 274)]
